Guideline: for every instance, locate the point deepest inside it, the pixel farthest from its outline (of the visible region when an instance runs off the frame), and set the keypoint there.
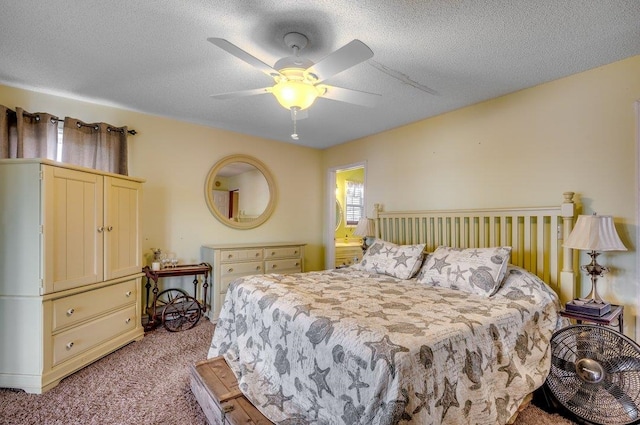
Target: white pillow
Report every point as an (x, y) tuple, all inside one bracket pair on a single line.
[(478, 271), (401, 261)]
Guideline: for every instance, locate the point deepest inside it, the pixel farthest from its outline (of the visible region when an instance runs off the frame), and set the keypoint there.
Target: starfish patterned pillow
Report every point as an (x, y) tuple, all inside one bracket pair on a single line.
[(401, 261), (478, 271)]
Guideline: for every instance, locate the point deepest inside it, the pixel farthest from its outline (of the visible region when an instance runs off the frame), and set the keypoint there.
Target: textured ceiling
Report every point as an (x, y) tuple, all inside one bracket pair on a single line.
[(429, 56)]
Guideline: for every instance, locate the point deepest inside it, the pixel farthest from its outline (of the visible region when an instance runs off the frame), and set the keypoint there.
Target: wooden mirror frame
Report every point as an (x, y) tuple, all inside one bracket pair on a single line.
[(209, 186)]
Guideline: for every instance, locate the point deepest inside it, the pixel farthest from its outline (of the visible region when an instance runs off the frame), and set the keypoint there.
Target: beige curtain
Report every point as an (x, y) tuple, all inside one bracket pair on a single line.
[(8, 130), (97, 145), (27, 135)]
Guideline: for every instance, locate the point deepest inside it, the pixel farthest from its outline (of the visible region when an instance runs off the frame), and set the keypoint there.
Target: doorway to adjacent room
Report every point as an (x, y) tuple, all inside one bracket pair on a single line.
[(345, 206)]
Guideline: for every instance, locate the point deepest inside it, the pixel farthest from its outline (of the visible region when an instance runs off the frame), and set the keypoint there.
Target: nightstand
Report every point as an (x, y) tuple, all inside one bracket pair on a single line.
[(616, 313)]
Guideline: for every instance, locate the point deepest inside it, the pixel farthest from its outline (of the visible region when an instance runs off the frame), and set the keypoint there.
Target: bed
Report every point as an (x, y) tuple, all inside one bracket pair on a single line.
[(446, 320)]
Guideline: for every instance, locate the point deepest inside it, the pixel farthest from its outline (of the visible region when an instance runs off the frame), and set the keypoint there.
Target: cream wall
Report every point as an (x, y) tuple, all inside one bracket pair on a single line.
[(526, 148), (253, 192), (174, 157), (523, 149)]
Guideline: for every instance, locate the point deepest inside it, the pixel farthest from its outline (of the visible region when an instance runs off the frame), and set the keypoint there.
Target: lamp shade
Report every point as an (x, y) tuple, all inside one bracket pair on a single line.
[(366, 227), (594, 233)]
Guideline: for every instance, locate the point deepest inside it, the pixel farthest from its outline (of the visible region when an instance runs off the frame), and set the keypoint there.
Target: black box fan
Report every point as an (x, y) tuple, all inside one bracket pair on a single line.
[(595, 374)]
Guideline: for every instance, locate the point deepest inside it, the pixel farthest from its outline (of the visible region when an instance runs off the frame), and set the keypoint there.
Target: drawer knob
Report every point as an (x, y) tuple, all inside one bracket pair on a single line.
[(127, 294), (230, 256), (273, 253), (295, 252), (297, 264), (128, 320), (230, 269), (257, 254), (257, 267), (274, 266), (100, 229), (69, 345), (70, 312)]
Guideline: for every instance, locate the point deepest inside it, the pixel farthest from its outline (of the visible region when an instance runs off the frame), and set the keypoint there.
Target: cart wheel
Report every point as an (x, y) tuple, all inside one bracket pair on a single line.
[(181, 314), (166, 296)]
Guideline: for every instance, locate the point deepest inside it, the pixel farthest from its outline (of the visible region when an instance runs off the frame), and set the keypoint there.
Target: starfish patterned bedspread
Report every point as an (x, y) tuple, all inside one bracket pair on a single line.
[(350, 347)]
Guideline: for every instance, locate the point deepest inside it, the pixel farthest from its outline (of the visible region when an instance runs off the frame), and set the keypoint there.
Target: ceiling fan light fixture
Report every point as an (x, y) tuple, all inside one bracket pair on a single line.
[(298, 79), (295, 94)]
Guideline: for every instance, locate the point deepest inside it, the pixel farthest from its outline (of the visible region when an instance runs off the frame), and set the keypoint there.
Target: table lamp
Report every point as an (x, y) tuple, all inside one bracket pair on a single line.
[(366, 228), (594, 233)]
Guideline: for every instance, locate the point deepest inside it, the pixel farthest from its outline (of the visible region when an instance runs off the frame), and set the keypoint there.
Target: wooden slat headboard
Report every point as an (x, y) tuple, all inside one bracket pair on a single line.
[(535, 235)]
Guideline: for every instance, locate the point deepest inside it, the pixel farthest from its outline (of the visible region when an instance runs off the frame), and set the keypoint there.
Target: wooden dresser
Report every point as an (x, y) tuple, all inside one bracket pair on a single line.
[(70, 280), (232, 261), (347, 255)]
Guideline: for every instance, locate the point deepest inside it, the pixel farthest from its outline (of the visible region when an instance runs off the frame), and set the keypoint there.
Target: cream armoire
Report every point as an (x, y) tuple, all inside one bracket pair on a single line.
[(70, 269)]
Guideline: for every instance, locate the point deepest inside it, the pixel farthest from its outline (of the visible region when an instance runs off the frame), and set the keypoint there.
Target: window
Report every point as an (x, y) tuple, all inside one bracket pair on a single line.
[(59, 146), (354, 203)]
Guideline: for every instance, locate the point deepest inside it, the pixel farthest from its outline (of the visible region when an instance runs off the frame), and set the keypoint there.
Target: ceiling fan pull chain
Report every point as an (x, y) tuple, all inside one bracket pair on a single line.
[(294, 112)]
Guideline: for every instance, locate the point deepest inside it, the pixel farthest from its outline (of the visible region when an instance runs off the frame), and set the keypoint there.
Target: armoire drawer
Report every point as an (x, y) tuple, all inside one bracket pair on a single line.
[(284, 252), (76, 340), (76, 308), (241, 255), (290, 265)]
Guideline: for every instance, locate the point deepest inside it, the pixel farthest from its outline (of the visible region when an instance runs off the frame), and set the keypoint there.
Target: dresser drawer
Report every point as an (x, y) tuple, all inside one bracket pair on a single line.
[(348, 255), (345, 261), (349, 251), (240, 255), (230, 272), (226, 281), (251, 267), (284, 252), (77, 340), (291, 265), (76, 308)]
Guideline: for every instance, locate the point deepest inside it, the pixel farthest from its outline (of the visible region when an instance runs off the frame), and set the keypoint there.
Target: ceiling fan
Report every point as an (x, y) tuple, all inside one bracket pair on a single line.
[(298, 79)]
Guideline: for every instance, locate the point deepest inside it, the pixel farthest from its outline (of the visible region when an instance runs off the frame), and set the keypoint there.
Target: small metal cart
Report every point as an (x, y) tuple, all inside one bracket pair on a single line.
[(174, 307)]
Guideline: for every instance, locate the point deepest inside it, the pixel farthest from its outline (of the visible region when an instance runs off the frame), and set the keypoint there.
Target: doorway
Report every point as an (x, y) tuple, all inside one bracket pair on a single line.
[(341, 207)]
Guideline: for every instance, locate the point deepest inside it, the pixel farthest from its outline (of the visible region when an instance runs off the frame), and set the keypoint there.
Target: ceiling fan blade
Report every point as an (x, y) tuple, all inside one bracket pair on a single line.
[(241, 54), (242, 93), (345, 57), (356, 97)]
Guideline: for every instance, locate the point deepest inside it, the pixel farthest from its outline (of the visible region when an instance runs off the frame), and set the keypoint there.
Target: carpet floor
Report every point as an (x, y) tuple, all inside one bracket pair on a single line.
[(145, 382)]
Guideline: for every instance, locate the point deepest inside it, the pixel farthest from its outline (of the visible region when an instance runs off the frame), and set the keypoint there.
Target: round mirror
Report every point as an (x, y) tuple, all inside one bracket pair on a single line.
[(338, 214), (240, 192)]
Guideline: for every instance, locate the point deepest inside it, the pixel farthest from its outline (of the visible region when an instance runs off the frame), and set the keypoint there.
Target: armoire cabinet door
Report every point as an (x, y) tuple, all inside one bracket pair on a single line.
[(123, 252), (72, 235)]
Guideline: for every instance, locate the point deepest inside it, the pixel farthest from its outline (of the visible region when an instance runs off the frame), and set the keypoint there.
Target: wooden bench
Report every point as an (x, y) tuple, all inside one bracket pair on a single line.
[(216, 389)]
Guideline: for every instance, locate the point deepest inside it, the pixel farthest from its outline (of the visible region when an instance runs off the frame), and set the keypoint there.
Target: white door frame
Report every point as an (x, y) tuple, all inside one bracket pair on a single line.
[(637, 110), (330, 225)]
